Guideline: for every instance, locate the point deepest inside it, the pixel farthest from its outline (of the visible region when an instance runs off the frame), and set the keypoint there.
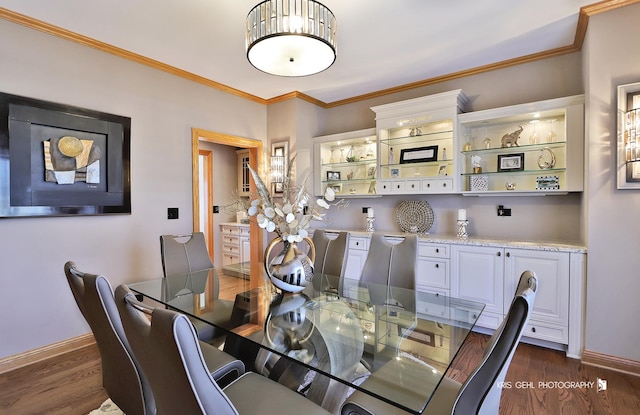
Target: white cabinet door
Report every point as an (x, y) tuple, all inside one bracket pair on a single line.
[(552, 270), (478, 275), (356, 257)]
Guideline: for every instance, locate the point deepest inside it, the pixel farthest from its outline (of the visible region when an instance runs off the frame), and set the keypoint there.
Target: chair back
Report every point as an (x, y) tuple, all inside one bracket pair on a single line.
[(479, 394), (123, 380), (182, 254), (169, 353), (331, 260), (391, 265)]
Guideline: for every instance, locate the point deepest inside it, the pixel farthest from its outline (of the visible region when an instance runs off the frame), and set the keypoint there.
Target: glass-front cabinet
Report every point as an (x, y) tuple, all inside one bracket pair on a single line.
[(346, 162), (527, 148), (418, 145)]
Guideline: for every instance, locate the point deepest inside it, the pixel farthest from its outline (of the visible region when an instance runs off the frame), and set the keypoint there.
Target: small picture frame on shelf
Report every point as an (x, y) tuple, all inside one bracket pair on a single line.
[(419, 154), (442, 169), (371, 172), (395, 173), (510, 162), (333, 175), (337, 188)]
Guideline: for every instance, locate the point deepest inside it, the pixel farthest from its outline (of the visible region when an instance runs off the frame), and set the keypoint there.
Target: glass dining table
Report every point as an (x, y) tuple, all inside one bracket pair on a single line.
[(340, 337)]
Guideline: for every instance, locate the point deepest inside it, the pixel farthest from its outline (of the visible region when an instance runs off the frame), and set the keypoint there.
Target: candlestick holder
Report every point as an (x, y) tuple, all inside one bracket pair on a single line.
[(462, 229), (370, 221)]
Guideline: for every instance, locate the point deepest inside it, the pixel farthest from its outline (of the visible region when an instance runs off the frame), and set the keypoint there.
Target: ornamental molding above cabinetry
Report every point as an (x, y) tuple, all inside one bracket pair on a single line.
[(450, 99)]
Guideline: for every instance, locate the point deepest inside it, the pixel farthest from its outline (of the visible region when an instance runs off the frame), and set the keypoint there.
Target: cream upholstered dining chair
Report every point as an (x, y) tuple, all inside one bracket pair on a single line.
[(182, 254), (390, 265), (479, 394), (330, 262), (122, 378), (170, 354)]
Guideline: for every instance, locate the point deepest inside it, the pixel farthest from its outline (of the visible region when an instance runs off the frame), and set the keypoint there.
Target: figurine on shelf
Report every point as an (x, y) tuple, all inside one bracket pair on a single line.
[(511, 139), (332, 160), (444, 153), (392, 156), (475, 163), (342, 155), (350, 175)]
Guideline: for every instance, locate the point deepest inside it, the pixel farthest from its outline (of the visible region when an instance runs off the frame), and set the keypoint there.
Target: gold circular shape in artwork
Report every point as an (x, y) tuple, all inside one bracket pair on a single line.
[(70, 146)]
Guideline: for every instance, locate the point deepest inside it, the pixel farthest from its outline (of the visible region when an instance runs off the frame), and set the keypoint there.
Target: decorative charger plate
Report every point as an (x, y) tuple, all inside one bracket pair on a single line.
[(414, 216)]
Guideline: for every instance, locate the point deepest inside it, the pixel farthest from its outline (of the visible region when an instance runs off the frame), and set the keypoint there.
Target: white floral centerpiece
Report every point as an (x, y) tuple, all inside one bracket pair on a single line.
[(291, 217)]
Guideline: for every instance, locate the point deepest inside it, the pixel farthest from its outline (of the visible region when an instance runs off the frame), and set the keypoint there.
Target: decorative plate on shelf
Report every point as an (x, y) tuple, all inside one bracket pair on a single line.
[(414, 216)]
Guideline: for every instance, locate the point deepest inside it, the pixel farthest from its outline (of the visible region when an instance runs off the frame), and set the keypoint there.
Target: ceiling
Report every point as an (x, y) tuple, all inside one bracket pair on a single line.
[(382, 44)]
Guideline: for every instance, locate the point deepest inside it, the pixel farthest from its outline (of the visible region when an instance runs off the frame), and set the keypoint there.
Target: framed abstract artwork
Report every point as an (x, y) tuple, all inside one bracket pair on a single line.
[(59, 160)]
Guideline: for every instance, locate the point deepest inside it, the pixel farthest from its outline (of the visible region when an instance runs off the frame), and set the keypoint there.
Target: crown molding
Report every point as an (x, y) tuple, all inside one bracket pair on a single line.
[(581, 29)]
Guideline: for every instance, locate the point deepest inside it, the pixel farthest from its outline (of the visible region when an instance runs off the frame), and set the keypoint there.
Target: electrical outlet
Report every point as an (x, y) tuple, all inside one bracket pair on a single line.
[(502, 211), (216, 209), (172, 213)]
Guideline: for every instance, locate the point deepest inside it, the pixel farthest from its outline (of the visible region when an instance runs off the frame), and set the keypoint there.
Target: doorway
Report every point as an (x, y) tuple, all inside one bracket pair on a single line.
[(255, 156)]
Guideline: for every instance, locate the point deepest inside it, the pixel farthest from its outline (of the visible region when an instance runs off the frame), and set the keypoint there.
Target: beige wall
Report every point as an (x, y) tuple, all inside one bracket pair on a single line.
[(611, 54), (34, 294), (35, 302)]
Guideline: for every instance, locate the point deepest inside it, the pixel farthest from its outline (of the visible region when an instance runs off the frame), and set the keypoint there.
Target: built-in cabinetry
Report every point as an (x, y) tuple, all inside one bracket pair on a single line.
[(417, 144), (243, 172), (346, 162), (536, 147), (488, 273), (236, 249)]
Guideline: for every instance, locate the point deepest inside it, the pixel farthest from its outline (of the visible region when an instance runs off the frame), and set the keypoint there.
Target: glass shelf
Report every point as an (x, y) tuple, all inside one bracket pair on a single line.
[(517, 172), (523, 148)]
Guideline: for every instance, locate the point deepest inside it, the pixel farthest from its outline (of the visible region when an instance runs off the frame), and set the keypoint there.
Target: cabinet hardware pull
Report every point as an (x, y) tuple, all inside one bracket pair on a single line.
[(498, 254), (437, 265), (437, 250), (533, 329), (508, 254)]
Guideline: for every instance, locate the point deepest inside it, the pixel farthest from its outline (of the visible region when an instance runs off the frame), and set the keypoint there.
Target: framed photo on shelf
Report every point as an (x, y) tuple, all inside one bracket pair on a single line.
[(337, 188), (395, 173), (333, 175), (442, 169), (511, 162), (419, 154), (371, 172)]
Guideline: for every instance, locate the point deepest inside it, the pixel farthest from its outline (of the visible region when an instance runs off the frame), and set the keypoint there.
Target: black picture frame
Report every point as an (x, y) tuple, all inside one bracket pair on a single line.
[(25, 125), (419, 154), (510, 162), (333, 175)]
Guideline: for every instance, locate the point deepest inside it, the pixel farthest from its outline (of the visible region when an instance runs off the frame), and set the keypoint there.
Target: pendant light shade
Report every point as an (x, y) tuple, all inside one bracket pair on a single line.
[(291, 37)]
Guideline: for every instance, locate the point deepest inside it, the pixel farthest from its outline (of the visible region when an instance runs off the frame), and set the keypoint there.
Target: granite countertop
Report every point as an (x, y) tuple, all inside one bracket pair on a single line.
[(560, 246)]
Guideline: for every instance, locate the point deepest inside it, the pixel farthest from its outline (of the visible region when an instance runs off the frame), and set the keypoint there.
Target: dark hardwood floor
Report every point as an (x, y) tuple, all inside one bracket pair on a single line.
[(71, 384)]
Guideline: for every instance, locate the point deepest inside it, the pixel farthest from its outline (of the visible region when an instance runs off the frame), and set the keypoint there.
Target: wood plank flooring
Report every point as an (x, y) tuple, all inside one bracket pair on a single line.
[(71, 384)]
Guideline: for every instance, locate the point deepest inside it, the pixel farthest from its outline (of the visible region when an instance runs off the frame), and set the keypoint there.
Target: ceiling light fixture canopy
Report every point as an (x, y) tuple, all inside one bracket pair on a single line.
[(291, 37)]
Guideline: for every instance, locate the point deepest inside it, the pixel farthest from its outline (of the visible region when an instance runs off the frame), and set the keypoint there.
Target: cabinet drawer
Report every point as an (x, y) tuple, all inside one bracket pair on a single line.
[(435, 307), (552, 333), (437, 185), (229, 240), (433, 250), (412, 186), (384, 186), (231, 230), (433, 273), (399, 186), (358, 243), (489, 320)]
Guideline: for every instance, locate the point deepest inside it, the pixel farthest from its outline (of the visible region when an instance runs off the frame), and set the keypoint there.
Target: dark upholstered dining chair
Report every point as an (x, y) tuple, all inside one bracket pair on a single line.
[(331, 261), (122, 378), (182, 254), (391, 265), (479, 394), (170, 354)]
